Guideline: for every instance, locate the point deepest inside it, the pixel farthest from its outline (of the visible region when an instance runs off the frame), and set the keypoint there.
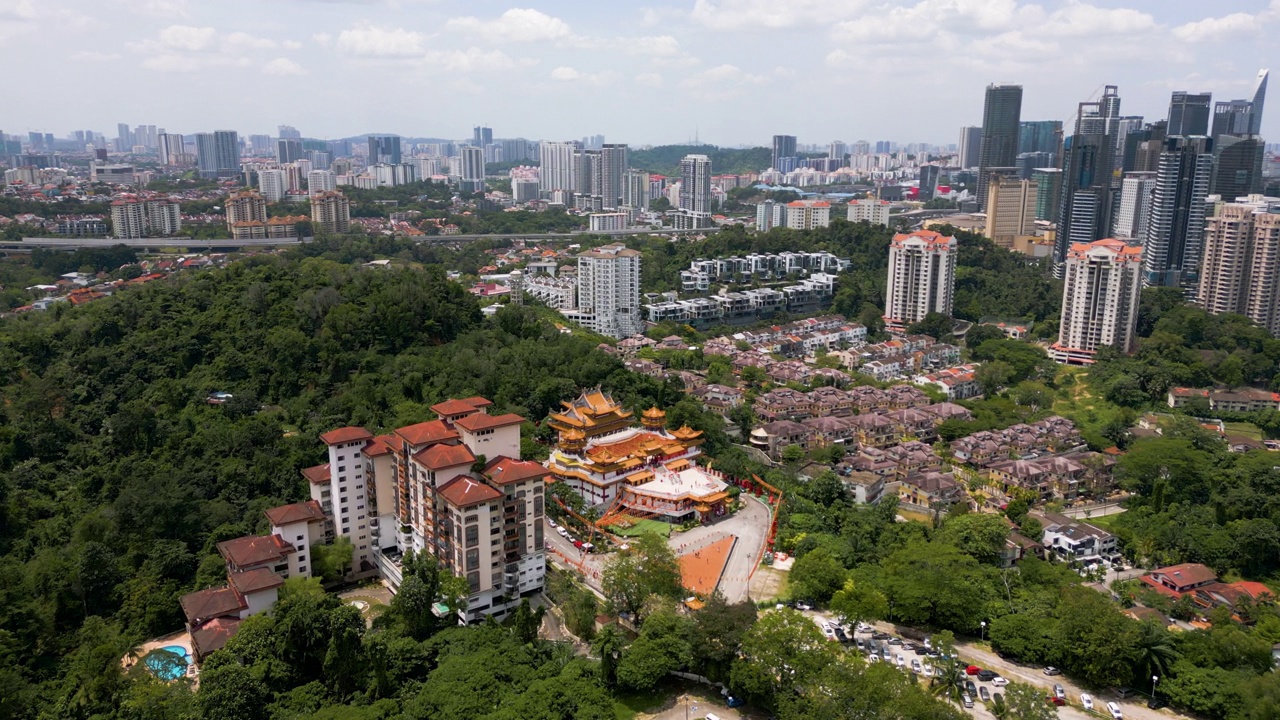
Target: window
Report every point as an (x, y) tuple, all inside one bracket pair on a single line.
[(537, 506), (472, 518), (302, 568), (342, 457), (302, 558), (473, 559), (473, 581), (473, 535), (299, 537), (342, 468)]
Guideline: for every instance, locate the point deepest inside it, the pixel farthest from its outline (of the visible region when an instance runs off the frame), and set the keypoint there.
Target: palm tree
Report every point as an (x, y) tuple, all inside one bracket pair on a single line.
[(608, 644), (1154, 650)]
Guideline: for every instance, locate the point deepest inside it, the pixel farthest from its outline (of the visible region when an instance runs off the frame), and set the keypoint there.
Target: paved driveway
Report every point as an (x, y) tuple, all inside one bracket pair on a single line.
[(751, 526)]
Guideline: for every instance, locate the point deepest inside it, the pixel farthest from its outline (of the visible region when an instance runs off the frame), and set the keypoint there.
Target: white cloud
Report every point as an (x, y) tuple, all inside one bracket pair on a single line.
[(653, 80), (1220, 28), (292, 45), (94, 57), (242, 41), (17, 10), (322, 39), (514, 25), (771, 14), (187, 38), (568, 74), (652, 45), (1079, 19), (173, 62), (158, 8), (471, 60), (283, 66), (376, 42)]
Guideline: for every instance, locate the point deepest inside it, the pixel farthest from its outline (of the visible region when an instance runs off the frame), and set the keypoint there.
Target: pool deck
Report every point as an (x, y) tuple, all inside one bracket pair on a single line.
[(180, 638)]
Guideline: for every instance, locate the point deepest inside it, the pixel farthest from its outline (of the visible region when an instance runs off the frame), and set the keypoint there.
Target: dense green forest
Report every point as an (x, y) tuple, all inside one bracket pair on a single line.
[(665, 159)]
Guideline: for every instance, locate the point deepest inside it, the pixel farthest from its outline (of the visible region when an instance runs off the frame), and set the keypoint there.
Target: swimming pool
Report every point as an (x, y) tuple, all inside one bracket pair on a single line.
[(169, 662)]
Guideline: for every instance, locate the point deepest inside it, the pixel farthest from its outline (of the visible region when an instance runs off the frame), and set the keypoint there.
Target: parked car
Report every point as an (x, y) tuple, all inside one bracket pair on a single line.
[(1059, 691), (859, 644), (999, 681), (997, 698), (865, 628), (874, 658), (840, 635), (831, 634), (927, 644), (1051, 670), (971, 687), (562, 531), (880, 636), (1086, 701), (1125, 692), (1055, 700), (734, 702), (803, 606), (551, 522), (987, 675), (1114, 709), (884, 652), (972, 670), (916, 667), (967, 699), (1155, 703), (902, 661), (895, 641), (984, 695), (578, 544)]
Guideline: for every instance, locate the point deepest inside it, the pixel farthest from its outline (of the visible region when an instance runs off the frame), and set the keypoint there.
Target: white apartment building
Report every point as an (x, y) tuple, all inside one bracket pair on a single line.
[(1135, 205), (273, 184), (320, 181), (871, 210), (695, 184), (808, 214), (922, 274), (1099, 300), (1240, 270), (769, 215), (606, 222), (609, 291), (556, 167), (331, 212), (133, 217)]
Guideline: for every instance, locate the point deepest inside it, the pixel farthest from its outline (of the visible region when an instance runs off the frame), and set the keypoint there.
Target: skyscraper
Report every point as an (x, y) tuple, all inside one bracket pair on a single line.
[(472, 171), (1175, 229), (1048, 192), (613, 173), (1039, 136), (1237, 166), (1001, 114), (1258, 100), (695, 184), (1099, 300), (556, 170), (922, 275), (1189, 113), (636, 191), (289, 132), (784, 146), (171, 145), (384, 149), (1135, 206), (928, 182), (970, 146), (481, 137), (1011, 209), (288, 150), (1084, 214), (218, 153)]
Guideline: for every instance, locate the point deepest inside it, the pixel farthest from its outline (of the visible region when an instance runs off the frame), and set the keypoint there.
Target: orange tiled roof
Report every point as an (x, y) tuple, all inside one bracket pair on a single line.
[(423, 433), (480, 421), (297, 512), (345, 435), (440, 456), (317, 475), (463, 491)]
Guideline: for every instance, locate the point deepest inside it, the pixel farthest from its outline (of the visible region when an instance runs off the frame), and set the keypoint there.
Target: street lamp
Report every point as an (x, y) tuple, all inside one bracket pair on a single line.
[(984, 630), (1154, 679)]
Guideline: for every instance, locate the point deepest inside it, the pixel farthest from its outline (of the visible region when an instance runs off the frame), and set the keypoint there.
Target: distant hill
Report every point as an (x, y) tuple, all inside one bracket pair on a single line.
[(665, 159)]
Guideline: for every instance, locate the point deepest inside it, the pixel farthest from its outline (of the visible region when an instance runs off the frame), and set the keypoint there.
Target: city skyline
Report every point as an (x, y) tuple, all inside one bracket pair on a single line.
[(340, 68)]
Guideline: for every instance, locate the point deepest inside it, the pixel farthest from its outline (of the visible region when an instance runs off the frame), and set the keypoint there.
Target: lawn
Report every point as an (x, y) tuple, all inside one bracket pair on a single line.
[(640, 527), (1248, 430), (1104, 522)]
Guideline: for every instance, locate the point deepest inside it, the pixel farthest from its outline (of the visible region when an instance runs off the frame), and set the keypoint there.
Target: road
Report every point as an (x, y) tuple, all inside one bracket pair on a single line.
[(1133, 709), (751, 525), (72, 243)]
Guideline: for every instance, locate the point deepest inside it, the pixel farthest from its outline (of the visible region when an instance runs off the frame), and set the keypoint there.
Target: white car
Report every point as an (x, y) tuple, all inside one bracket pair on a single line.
[(1114, 709), (563, 532), (1086, 700), (902, 661), (999, 681), (873, 658), (865, 628), (831, 634), (916, 667), (551, 522)]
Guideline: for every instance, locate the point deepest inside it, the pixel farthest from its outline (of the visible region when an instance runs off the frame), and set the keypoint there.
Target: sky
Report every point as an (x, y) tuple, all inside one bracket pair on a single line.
[(729, 72)]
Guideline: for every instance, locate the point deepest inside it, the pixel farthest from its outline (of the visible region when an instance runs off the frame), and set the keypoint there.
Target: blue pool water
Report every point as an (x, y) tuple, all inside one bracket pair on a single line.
[(165, 666)]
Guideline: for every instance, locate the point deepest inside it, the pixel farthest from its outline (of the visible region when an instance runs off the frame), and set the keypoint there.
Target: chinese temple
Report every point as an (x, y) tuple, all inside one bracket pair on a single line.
[(610, 461)]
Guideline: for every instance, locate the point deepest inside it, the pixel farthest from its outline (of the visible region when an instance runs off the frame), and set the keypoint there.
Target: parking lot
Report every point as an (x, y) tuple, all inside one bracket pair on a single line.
[(905, 654)]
